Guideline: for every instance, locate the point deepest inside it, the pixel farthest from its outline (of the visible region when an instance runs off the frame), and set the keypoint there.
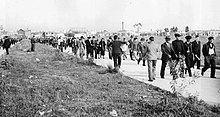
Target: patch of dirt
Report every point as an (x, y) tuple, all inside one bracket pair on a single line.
[(50, 83)]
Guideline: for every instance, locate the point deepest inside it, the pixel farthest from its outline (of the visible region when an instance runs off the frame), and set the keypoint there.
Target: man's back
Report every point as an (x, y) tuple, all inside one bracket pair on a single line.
[(116, 47), (151, 51)]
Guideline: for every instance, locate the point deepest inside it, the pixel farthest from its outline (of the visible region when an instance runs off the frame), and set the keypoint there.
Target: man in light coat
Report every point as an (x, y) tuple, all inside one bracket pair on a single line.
[(151, 54)]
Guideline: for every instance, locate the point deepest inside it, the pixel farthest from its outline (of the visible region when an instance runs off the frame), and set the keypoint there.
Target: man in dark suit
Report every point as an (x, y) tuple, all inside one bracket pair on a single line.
[(33, 41), (209, 53), (178, 47), (116, 51), (89, 47), (166, 49), (178, 56), (6, 44), (188, 55), (196, 45)]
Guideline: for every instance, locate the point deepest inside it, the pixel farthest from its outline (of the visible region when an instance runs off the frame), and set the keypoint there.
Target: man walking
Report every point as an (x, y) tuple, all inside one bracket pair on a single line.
[(188, 55), (6, 44), (89, 47), (166, 49), (209, 54), (116, 51), (178, 57), (196, 45), (140, 48), (151, 55)]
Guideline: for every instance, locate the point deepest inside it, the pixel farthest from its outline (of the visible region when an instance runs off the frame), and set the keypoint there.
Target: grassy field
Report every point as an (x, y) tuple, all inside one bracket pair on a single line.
[(49, 83)]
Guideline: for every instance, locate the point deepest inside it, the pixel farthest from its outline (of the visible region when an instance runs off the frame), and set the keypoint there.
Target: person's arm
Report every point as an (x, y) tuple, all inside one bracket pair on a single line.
[(204, 50), (163, 50)]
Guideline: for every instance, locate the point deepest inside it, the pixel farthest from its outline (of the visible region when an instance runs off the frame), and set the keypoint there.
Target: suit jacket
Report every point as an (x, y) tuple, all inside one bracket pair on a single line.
[(89, 45), (116, 47), (151, 51), (178, 48), (166, 51), (6, 43), (196, 48), (205, 49)]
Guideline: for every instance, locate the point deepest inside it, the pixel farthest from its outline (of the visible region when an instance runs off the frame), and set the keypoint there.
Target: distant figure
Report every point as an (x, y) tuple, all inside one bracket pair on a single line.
[(130, 45), (177, 70), (140, 49), (33, 44), (96, 47), (82, 47), (1, 42), (196, 45), (89, 47), (75, 45), (209, 53), (166, 49), (61, 43), (188, 55), (6, 44), (151, 56), (109, 48), (102, 48), (134, 49), (116, 51), (124, 49)]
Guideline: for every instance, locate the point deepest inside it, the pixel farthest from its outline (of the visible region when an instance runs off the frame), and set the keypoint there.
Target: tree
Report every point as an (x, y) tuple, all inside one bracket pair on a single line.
[(137, 26), (187, 29)]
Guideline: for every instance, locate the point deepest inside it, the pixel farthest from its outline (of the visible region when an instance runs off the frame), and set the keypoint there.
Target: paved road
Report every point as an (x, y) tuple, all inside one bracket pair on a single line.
[(204, 87)]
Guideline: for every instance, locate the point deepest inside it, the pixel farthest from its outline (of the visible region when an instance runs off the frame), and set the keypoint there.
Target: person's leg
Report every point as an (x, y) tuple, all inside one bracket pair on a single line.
[(144, 61), (119, 60), (213, 66), (131, 54), (207, 64), (149, 64), (138, 61), (189, 71), (163, 66), (154, 68), (198, 64), (7, 52), (115, 60)]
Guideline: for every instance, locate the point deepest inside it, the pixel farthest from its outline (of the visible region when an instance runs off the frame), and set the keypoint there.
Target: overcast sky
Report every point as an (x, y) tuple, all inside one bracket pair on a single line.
[(57, 15)]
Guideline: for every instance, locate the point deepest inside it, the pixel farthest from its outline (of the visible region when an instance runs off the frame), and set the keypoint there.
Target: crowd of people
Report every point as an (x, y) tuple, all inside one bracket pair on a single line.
[(179, 55)]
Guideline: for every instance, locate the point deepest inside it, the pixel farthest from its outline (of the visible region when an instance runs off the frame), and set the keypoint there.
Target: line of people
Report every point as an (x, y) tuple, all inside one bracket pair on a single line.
[(179, 55)]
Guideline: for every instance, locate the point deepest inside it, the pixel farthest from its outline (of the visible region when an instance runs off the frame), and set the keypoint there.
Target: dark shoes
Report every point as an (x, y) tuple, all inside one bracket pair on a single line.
[(162, 77), (150, 80), (202, 73), (144, 65), (212, 77)]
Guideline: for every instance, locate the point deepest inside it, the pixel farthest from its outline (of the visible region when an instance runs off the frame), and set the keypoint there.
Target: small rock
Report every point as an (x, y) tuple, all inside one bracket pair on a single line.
[(41, 113), (113, 113), (31, 76), (37, 59)]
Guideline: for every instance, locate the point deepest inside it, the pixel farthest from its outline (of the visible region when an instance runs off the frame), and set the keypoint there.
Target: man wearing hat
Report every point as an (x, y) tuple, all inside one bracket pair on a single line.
[(6, 44), (178, 56), (140, 49), (188, 54), (196, 45), (151, 56), (89, 47), (116, 51), (166, 49), (209, 54)]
